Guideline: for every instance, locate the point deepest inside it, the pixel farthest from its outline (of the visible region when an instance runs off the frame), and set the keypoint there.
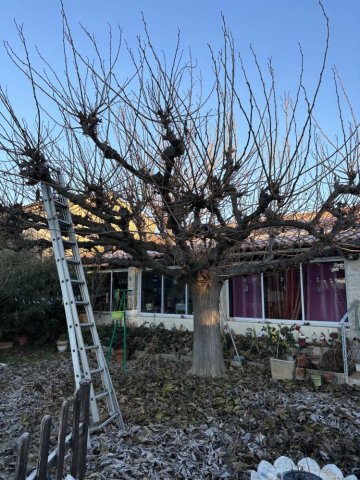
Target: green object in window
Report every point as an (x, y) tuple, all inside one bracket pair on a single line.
[(117, 315)]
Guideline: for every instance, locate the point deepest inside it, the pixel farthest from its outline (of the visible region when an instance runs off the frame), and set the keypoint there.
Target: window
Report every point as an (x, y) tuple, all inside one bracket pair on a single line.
[(174, 297), (99, 284), (102, 288), (283, 295), (189, 301), (316, 294), (245, 296), (160, 294), (151, 287), (325, 291)]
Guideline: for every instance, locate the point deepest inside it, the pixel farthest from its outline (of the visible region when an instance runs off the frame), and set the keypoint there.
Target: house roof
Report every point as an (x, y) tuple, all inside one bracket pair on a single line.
[(280, 238)]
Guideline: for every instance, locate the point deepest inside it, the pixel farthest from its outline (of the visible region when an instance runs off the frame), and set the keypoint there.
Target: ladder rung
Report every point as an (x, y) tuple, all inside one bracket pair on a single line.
[(73, 261), (59, 203), (91, 347), (96, 370), (75, 281), (64, 222), (101, 395), (104, 423), (86, 324), (81, 303), (69, 243)]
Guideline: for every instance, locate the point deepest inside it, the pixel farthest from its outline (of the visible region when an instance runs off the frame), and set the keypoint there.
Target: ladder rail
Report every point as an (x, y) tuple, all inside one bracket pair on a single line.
[(81, 366), (111, 399), (60, 226), (59, 254)]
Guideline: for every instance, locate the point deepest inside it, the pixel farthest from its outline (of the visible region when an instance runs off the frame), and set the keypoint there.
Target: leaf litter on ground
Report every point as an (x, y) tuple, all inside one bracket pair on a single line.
[(182, 427)]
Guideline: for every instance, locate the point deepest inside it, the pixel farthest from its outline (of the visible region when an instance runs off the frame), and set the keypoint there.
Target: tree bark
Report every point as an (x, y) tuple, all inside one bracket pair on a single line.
[(208, 360)]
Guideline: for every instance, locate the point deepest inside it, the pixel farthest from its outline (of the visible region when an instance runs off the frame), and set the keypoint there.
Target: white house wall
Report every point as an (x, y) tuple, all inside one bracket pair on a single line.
[(352, 276)]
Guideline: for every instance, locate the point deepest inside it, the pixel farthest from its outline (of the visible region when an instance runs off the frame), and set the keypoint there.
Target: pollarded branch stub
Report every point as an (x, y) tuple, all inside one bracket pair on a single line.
[(35, 169), (351, 175), (274, 188), (124, 218), (177, 147), (97, 193), (89, 123)]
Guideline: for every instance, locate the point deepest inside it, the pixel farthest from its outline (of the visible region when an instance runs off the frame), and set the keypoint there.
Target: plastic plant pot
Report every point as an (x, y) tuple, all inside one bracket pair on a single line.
[(316, 379)]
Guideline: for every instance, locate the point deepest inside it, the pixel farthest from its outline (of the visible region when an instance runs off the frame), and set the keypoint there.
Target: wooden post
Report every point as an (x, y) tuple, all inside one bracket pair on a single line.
[(62, 440), (84, 432), (22, 456), (45, 429), (75, 433)]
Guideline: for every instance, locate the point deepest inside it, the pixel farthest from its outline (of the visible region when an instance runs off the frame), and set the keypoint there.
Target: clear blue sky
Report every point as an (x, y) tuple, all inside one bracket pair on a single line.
[(273, 27)]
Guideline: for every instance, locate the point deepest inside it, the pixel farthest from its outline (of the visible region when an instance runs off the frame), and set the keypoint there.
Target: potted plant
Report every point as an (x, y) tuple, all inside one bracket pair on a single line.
[(302, 339), (281, 341), (62, 342), (22, 339)]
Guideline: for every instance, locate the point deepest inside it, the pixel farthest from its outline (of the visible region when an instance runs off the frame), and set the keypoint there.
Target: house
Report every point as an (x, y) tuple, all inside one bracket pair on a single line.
[(316, 295)]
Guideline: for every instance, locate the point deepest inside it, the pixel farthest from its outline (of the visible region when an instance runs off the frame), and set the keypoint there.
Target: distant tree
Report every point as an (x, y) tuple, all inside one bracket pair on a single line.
[(161, 163)]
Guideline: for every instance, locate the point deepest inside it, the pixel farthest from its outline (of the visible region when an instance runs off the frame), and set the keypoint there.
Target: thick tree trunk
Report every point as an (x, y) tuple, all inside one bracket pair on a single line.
[(208, 360)]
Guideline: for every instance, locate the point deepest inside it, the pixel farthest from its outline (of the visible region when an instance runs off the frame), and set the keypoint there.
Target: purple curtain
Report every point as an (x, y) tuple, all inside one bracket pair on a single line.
[(324, 291), (246, 296)]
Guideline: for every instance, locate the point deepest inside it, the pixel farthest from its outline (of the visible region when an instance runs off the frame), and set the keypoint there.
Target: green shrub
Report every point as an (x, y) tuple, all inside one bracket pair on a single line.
[(30, 297)]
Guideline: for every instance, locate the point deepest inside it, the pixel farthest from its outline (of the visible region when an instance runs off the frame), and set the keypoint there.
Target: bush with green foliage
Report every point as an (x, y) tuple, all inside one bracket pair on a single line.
[(30, 297), (280, 338)]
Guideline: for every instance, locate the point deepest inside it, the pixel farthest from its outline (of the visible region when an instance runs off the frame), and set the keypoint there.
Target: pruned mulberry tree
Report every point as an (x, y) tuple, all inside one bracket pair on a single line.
[(219, 178)]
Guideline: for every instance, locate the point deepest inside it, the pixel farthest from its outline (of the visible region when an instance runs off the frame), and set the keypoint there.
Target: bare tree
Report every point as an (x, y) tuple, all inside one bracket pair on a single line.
[(219, 182)]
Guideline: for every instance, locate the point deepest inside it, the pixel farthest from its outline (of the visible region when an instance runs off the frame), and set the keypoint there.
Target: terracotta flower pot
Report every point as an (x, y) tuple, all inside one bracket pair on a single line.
[(315, 358), (119, 354), (328, 377), (22, 339), (300, 373), (301, 361)]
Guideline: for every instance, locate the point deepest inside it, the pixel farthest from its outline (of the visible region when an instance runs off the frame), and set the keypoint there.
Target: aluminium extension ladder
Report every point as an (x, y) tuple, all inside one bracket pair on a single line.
[(75, 297)]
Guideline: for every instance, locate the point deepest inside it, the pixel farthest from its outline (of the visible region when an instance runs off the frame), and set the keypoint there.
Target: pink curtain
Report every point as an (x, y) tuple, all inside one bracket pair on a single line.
[(325, 291), (245, 294)]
